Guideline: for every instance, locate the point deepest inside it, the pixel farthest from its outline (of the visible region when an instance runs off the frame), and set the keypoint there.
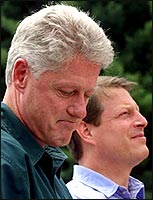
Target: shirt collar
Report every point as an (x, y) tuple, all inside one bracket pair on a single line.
[(136, 188), (103, 184), (58, 157)]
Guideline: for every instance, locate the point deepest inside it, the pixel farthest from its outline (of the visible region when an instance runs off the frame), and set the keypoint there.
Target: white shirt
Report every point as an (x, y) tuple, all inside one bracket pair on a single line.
[(88, 184)]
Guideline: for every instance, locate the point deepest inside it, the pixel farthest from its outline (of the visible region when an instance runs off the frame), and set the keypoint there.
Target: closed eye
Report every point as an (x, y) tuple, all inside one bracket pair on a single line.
[(124, 113), (65, 93)]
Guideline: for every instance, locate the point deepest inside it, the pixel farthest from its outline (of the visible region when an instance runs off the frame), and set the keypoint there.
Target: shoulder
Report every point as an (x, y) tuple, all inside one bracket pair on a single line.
[(13, 155), (10, 145), (14, 173)]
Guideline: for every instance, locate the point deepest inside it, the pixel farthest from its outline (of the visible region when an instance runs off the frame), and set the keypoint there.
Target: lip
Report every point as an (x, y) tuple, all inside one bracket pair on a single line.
[(138, 135), (68, 123)]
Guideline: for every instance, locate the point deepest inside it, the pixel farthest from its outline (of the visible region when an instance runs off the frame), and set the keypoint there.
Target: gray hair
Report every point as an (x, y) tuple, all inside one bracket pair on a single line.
[(52, 36)]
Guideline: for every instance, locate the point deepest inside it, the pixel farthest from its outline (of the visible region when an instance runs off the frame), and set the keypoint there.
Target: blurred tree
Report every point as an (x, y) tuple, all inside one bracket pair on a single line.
[(128, 25)]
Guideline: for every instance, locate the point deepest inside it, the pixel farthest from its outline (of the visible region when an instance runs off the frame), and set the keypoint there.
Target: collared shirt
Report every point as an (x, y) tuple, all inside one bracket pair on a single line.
[(28, 171), (88, 184)]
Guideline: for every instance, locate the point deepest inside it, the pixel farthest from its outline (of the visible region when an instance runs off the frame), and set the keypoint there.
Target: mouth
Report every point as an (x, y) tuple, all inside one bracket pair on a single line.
[(139, 137), (68, 123)]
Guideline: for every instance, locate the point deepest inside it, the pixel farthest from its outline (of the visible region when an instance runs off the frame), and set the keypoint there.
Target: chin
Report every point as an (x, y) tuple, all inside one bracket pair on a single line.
[(143, 155), (65, 143), (146, 153), (62, 143)]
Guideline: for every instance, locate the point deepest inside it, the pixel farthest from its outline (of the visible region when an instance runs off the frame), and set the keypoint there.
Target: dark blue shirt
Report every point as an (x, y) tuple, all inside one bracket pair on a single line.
[(28, 171)]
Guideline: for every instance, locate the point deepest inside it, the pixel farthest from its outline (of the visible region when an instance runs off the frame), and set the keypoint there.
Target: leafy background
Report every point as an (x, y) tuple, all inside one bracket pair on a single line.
[(128, 24)]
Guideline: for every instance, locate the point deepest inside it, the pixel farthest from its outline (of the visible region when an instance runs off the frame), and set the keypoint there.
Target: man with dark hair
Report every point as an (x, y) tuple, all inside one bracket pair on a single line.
[(108, 143)]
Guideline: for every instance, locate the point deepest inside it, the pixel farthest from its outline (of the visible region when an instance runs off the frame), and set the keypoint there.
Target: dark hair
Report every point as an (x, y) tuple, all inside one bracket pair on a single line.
[(94, 110)]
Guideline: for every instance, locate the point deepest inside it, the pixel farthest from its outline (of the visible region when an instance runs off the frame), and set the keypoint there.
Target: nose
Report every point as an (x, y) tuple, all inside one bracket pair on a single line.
[(141, 121), (78, 108)]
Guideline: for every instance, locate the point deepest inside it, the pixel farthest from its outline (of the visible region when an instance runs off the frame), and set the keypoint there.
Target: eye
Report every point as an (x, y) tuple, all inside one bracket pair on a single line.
[(124, 113), (65, 93)]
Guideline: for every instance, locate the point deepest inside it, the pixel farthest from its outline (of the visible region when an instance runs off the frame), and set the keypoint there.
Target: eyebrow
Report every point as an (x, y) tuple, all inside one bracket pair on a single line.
[(131, 105), (74, 86)]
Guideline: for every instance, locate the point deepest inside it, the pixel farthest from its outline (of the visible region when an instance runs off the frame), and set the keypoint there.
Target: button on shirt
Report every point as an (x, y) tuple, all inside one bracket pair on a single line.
[(88, 184), (28, 171)]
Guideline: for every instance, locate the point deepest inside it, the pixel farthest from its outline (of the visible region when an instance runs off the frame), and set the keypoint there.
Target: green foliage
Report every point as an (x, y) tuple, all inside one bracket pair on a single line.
[(136, 44), (3, 57), (115, 69), (9, 24), (68, 165), (147, 176), (128, 24)]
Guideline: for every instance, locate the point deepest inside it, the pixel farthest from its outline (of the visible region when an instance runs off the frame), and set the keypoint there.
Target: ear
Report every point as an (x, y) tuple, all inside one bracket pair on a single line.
[(20, 74), (85, 132)]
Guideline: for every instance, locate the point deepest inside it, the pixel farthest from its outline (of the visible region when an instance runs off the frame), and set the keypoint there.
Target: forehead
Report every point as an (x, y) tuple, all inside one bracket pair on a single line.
[(76, 73), (79, 64), (117, 98)]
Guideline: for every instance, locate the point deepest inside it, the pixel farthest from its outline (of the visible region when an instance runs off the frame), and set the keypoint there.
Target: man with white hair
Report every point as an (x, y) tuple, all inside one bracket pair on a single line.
[(53, 62)]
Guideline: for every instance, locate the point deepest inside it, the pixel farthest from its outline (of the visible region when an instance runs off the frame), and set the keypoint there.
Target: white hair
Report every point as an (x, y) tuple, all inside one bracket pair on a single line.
[(50, 37)]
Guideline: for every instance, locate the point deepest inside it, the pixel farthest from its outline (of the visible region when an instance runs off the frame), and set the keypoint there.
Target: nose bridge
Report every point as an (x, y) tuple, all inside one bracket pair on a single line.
[(141, 119), (78, 107)]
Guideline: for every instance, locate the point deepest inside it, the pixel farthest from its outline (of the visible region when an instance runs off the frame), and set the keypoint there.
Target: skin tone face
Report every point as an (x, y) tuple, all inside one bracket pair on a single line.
[(53, 105), (119, 142)]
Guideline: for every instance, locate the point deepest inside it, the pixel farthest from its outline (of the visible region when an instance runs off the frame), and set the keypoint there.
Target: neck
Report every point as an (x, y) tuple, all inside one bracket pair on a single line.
[(115, 172), (10, 100)]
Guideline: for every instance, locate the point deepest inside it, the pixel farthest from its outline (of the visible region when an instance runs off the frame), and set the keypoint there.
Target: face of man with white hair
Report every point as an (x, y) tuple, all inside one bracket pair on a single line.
[(53, 105)]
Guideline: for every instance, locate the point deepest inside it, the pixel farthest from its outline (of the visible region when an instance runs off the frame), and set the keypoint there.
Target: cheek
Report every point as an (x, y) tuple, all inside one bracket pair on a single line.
[(110, 132), (40, 100), (117, 136), (35, 100)]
